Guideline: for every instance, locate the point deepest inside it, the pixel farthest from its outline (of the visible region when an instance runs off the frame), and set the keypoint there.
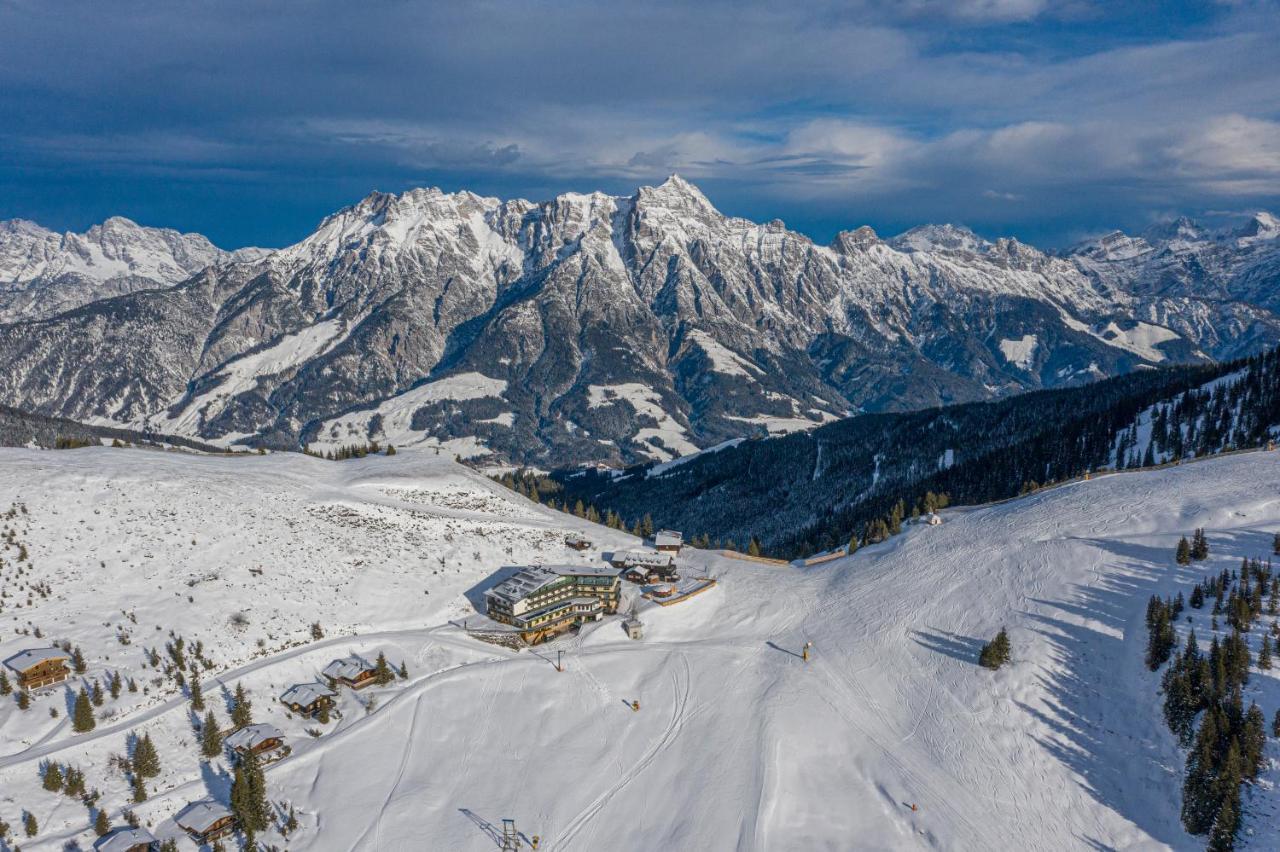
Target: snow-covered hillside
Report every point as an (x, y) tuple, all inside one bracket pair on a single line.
[(738, 744)]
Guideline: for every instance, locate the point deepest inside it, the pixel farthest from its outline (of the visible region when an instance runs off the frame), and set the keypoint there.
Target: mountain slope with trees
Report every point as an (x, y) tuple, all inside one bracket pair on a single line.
[(815, 491)]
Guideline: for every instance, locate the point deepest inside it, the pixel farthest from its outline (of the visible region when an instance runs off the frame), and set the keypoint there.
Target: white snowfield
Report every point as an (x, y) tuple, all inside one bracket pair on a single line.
[(738, 743)]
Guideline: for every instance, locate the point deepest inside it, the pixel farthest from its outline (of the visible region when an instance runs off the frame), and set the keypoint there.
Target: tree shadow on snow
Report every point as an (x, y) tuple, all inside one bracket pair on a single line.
[(1109, 730), (962, 648), (216, 780)]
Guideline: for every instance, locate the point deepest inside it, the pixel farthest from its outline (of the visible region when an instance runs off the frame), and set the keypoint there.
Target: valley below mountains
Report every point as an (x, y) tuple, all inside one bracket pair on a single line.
[(594, 328)]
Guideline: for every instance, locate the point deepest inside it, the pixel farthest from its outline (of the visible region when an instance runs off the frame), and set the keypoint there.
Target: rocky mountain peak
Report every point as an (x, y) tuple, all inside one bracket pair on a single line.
[(675, 195), (1261, 226), (947, 238), (1181, 229), (850, 242)]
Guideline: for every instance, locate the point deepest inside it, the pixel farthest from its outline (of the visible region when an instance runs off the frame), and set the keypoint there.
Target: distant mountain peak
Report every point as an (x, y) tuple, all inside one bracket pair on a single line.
[(847, 242), (943, 237), (1182, 229), (1263, 225), (676, 193)]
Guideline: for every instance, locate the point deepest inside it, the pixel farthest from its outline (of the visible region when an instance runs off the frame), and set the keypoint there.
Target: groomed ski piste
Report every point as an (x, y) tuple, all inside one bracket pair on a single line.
[(739, 744)]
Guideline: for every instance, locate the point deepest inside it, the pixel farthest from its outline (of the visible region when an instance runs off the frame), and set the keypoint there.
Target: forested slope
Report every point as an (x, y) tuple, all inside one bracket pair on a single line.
[(806, 492)]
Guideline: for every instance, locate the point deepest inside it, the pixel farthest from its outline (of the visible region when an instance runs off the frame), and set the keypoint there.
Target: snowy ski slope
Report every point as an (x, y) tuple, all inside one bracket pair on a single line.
[(738, 745)]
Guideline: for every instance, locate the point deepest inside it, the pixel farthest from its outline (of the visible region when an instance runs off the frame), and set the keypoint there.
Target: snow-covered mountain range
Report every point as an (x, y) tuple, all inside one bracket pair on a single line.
[(43, 273), (594, 327)]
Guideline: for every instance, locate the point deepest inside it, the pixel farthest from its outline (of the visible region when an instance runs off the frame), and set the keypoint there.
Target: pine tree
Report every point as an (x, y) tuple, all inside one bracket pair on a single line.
[(210, 737), (1199, 800), (1223, 836), (1197, 597), (197, 694), (1275, 544), (1161, 637), (77, 660), (382, 674), (241, 708), (1184, 552), (1199, 545), (23, 699), (249, 797), (115, 685), (1264, 653), (5, 687), (753, 547), (29, 824), (95, 694), (995, 653), (74, 784), (82, 720), (1275, 725), (404, 671), (53, 778), (101, 825), (1254, 741), (146, 762), (139, 788)]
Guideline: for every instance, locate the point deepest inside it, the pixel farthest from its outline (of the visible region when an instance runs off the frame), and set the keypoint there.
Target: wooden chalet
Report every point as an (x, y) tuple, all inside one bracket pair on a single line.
[(577, 542), (206, 821), (37, 667), (634, 627), (668, 541), (352, 671), (127, 840), (307, 699), (638, 574), (266, 741)]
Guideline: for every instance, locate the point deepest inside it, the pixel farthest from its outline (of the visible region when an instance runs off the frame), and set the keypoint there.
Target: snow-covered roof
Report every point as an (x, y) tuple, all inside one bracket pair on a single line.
[(24, 660), (583, 570), (348, 667), (200, 816), (250, 736), (529, 580), (123, 839), (643, 557), (668, 537), (523, 583), (306, 693)]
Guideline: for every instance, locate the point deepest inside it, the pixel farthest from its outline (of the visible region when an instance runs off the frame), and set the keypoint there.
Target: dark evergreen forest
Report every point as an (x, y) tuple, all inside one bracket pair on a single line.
[(813, 491)]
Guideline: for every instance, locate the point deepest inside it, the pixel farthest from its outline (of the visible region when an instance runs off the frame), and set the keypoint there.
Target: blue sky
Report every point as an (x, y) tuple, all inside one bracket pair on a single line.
[(250, 121)]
